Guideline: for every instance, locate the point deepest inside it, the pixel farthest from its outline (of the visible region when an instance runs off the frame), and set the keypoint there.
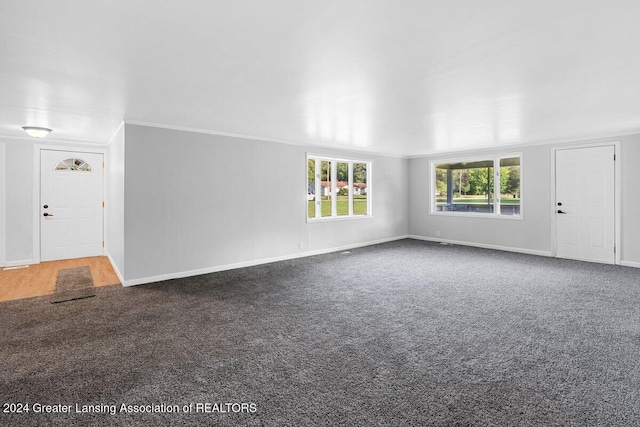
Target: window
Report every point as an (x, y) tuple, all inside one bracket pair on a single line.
[(338, 188), (489, 186), (73, 165)]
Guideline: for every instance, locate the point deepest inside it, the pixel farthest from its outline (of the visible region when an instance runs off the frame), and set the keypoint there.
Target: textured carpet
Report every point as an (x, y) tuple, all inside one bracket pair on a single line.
[(406, 333), (72, 284)]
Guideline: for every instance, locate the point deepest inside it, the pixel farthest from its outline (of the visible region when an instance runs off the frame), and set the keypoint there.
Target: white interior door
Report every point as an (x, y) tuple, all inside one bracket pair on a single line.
[(585, 204), (71, 205)]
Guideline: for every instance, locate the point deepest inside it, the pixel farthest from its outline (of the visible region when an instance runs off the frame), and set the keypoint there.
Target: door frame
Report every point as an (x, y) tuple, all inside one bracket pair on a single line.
[(37, 148), (617, 214)]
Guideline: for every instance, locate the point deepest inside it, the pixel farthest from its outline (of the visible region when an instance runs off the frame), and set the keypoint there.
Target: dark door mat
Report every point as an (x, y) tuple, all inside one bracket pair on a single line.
[(73, 283)]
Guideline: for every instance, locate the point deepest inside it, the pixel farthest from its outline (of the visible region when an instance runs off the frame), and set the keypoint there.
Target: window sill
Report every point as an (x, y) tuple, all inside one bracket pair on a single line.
[(338, 218), (477, 215)]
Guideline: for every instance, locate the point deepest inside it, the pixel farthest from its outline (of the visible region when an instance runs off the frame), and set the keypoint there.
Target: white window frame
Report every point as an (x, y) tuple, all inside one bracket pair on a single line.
[(334, 201), (496, 189)]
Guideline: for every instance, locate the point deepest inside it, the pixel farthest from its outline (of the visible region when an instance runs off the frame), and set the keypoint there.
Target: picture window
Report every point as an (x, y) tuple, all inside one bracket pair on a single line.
[(338, 188), (484, 186)]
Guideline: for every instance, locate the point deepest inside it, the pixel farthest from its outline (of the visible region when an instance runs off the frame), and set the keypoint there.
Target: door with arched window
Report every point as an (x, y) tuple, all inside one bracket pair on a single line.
[(71, 205)]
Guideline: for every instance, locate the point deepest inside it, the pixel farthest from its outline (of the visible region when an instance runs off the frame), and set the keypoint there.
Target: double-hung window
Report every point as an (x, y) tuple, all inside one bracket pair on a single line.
[(485, 186), (338, 188)]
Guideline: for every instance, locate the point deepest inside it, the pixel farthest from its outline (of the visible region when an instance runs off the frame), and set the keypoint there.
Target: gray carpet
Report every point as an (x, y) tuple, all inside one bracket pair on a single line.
[(403, 334), (72, 284)]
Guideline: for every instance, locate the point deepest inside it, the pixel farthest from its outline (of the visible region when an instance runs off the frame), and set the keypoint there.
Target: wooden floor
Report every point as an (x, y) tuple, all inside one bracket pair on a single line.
[(40, 279)]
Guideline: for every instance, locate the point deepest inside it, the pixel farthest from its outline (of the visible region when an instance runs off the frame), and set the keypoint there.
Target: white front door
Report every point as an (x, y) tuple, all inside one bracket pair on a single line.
[(71, 205), (585, 204)]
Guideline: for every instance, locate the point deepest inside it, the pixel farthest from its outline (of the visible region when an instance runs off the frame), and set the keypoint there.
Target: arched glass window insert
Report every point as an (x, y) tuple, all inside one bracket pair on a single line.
[(73, 165)]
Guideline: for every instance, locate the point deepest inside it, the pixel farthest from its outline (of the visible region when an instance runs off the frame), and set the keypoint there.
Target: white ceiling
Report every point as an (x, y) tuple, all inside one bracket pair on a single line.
[(390, 76)]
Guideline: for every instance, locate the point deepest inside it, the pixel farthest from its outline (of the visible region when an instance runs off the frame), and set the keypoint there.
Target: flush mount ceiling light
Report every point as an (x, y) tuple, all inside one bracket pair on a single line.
[(37, 132)]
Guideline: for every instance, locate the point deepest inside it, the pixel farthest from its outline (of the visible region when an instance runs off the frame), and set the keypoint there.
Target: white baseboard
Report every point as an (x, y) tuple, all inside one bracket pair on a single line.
[(115, 267), (178, 275), (21, 262), (630, 264), (482, 245)]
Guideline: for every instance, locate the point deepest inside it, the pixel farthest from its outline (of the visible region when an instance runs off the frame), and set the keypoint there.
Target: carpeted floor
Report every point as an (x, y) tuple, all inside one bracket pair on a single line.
[(404, 333)]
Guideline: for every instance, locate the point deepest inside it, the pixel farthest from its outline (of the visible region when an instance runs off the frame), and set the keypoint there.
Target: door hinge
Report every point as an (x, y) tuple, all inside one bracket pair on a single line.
[(614, 157), (103, 165), (103, 204), (103, 243)]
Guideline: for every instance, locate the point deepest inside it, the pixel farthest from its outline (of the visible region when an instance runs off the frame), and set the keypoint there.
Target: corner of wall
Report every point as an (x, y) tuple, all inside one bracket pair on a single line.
[(114, 215), (3, 214), (115, 268)]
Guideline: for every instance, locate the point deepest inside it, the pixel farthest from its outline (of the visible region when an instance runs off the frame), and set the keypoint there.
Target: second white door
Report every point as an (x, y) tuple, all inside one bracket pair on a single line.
[(585, 204)]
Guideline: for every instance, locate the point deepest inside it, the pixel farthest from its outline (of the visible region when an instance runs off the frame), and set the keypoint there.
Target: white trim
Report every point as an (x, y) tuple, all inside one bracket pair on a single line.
[(114, 266), (38, 147), (266, 139), (334, 187), (49, 140), (330, 158), (105, 194), (36, 204), (3, 206), (350, 189), (338, 218), (594, 139), (630, 264), (218, 268), (487, 215), (617, 181), (115, 133), (75, 149), (482, 245), (370, 188), (617, 169), (552, 202), (317, 185)]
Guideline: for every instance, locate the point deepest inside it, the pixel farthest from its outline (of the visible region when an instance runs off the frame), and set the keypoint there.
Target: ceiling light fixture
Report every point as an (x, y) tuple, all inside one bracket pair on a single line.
[(37, 132)]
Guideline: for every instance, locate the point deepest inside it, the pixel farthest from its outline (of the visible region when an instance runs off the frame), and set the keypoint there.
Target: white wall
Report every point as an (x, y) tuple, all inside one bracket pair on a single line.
[(3, 212), (532, 234), (195, 202), (19, 201), (178, 211), (114, 215)]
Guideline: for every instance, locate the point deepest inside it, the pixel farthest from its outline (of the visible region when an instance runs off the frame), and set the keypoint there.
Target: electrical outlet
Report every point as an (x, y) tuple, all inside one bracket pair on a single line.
[(301, 245), (437, 233)]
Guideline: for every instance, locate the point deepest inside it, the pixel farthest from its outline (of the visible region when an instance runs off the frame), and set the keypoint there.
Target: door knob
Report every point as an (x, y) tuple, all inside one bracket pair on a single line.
[(561, 212), (46, 214), (45, 206)]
